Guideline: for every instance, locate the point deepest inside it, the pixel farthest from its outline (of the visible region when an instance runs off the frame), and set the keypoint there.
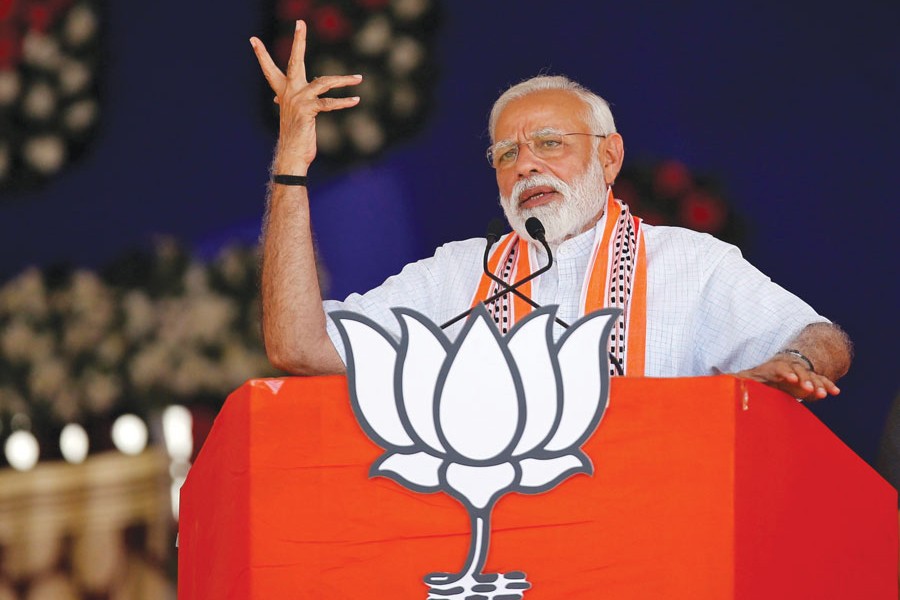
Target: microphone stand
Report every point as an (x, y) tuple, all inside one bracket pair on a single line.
[(492, 239), (508, 288), (536, 230)]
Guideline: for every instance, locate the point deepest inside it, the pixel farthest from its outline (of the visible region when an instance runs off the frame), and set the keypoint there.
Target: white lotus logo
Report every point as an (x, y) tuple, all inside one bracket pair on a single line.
[(479, 417)]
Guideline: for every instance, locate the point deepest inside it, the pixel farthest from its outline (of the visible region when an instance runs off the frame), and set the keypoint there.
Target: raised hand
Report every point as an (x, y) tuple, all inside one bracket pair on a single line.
[(300, 103)]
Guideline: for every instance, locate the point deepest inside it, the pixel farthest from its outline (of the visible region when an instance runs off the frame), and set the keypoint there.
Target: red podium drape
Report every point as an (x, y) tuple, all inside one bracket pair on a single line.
[(704, 488)]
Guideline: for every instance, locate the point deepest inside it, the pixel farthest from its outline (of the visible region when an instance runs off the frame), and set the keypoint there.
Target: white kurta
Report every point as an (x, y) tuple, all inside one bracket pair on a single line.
[(708, 309)]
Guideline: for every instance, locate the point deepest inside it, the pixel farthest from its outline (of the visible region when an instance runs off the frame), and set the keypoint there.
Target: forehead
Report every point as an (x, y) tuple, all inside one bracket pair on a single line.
[(554, 109)]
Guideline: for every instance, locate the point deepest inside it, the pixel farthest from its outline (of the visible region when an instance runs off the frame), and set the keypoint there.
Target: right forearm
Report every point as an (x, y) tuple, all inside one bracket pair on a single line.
[(293, 319)]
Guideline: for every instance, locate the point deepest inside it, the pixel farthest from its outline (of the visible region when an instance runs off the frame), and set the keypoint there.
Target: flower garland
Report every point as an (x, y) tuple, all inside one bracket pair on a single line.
[(49, 105), (152, 330)]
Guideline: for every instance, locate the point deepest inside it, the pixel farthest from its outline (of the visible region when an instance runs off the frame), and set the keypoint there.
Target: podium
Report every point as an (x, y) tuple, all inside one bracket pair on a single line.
[(703, 488)]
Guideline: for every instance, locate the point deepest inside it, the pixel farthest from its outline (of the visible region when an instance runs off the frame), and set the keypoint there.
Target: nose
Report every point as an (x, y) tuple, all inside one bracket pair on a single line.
[(527, 163)]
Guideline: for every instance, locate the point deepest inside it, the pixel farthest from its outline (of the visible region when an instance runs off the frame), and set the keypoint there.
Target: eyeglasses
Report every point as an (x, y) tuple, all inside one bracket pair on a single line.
[(543, 145)]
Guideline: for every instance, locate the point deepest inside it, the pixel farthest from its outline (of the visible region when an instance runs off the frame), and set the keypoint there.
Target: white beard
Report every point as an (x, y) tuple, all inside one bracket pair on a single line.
[(580, 205)]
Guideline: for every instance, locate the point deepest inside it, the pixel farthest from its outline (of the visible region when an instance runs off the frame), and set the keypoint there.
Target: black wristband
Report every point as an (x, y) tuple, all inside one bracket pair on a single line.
[(801, 356), (290, 179)]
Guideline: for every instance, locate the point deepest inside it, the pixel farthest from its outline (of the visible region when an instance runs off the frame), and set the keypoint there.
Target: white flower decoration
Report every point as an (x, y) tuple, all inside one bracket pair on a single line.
[(484, 415)]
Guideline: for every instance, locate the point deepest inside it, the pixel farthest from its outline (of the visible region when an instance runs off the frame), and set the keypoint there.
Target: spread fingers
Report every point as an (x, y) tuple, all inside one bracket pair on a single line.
[(270, 70), (321, 85)]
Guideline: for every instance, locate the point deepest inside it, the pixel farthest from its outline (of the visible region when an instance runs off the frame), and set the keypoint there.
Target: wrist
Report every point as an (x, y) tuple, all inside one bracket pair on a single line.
[(288, 167), (290, 163)]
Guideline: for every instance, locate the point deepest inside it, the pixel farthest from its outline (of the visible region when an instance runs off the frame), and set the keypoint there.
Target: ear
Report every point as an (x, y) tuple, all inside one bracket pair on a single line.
[(611, 151)]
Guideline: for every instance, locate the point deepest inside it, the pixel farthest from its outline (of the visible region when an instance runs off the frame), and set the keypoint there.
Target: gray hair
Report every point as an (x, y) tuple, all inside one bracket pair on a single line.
[(599, 116)]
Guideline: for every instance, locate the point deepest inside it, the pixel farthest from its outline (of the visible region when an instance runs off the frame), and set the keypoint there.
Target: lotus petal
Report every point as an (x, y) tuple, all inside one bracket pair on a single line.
[(541, 475), (480, 485), (422, 355), (583, 364), (530, 344), (417, 471), (478, 399), (371, 357)]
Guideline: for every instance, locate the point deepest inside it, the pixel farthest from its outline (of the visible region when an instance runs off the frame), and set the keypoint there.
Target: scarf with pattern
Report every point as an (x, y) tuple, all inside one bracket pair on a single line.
[(616, 277)]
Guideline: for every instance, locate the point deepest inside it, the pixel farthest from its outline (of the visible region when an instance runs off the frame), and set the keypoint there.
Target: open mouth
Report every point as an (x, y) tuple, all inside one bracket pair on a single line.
[(537, 196)]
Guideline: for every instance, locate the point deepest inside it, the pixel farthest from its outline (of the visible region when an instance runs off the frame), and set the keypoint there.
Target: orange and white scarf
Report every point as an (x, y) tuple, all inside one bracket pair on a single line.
[(616, 277)]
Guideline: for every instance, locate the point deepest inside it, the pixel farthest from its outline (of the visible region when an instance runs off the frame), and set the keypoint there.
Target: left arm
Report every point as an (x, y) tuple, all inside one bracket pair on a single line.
[(829, 352)]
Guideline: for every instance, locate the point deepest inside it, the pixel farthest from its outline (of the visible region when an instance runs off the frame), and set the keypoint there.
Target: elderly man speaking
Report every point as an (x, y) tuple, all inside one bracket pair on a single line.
[(691, 304)]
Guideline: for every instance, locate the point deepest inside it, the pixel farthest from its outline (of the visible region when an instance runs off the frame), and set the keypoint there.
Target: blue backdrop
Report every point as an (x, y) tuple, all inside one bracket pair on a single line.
[(793, 105)]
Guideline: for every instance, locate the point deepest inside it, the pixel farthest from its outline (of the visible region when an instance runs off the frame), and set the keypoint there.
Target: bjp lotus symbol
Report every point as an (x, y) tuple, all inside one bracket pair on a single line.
[(479, 417)]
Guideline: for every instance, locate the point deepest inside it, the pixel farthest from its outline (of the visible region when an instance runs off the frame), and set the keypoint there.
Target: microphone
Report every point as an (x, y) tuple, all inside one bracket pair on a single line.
[(539, 230), (494, 233), (535, 229)]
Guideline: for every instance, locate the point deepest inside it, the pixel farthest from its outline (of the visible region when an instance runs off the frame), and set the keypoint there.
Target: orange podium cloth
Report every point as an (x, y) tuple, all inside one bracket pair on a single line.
[(704, 488)]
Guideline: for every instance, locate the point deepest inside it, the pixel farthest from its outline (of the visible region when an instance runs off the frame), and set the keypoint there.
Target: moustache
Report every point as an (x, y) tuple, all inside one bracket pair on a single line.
[(540, 180)]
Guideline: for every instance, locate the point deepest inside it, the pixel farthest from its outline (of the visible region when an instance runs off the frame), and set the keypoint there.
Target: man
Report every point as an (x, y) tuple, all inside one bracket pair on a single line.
[(692, 305)]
